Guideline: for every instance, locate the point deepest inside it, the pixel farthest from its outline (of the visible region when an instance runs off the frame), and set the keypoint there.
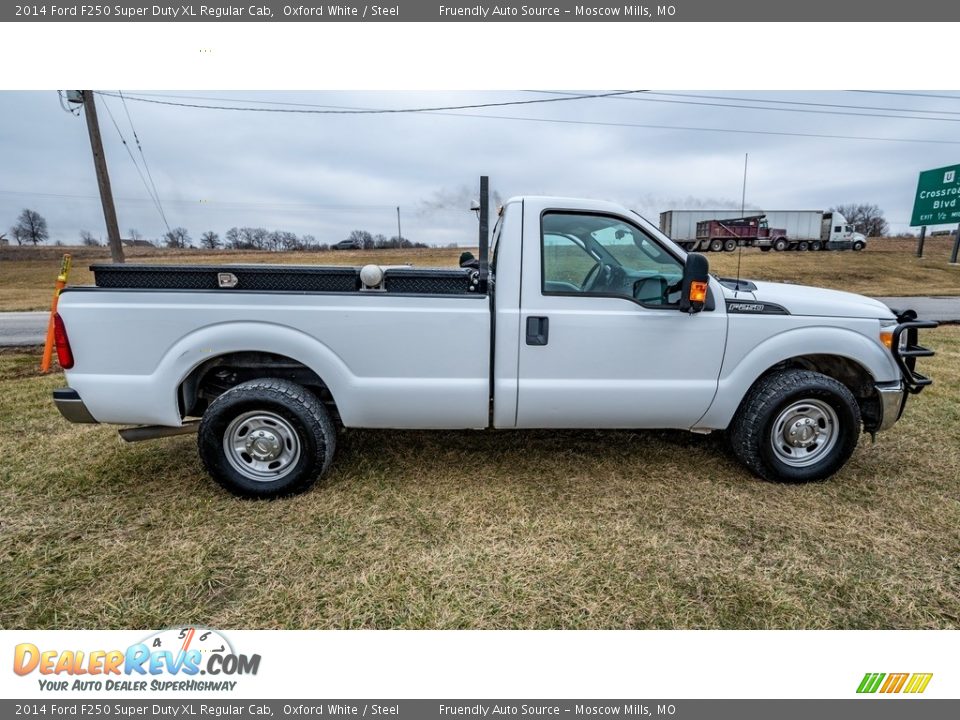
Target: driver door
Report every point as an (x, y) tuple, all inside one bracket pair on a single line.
[(603, 343)]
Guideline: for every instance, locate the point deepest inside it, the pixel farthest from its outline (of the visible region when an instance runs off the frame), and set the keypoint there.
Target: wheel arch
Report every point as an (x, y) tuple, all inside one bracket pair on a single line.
[(194, 356), (214, 376)]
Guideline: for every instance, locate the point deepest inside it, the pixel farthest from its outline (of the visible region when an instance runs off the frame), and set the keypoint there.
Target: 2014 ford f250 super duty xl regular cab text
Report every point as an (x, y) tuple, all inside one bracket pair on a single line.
[(586, 316)]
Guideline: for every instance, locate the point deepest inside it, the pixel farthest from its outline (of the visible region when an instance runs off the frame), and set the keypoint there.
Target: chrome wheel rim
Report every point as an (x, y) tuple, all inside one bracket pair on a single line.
[(261, 445), (804, 433)]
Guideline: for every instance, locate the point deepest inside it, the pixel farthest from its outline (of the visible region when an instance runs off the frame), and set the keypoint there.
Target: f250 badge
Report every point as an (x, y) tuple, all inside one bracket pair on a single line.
[(755, 308)]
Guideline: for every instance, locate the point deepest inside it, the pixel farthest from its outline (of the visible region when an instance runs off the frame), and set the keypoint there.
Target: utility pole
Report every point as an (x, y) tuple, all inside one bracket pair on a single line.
[(399, 233), (923, 234), (103, 178), (743, 197)]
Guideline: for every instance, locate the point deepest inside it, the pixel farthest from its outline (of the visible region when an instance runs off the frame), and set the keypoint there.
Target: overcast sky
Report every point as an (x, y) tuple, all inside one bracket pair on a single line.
[(326, 175)]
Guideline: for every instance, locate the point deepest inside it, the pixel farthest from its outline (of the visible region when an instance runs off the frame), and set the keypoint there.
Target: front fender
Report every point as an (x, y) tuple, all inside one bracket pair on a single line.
[(741, 370)]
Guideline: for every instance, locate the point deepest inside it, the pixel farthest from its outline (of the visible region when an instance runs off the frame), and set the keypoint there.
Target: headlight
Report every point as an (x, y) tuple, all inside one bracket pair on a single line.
[(886, 337)]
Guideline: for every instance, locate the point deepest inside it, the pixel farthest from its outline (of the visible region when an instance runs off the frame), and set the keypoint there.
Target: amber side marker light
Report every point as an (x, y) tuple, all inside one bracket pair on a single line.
[(886, 337), (64, 353), (698, 292)]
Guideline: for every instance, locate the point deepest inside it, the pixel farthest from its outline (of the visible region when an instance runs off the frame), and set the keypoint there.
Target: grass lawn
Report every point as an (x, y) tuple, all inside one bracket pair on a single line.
[(480, 530), (887, 268)]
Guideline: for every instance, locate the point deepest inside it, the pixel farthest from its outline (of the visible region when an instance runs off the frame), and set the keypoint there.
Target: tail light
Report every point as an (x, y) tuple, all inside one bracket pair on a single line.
[(64, 353)]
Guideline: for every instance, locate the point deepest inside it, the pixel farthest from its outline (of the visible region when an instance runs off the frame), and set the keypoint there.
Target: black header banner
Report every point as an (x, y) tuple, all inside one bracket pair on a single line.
[(877, 709), (739, 11)]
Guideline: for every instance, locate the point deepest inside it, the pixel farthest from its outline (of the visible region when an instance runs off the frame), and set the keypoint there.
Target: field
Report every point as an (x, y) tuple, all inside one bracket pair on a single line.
[(887, 268), (480, 530)]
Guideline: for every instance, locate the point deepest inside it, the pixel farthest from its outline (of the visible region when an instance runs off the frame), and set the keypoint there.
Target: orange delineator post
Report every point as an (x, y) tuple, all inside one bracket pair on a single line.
[(60, 284)]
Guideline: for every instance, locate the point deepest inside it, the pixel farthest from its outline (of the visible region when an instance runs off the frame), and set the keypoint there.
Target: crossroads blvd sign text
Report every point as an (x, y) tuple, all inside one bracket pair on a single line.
[(938, 197)]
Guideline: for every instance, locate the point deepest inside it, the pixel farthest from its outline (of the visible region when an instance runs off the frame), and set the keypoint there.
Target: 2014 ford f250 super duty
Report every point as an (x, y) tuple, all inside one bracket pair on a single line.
[(586, 316)]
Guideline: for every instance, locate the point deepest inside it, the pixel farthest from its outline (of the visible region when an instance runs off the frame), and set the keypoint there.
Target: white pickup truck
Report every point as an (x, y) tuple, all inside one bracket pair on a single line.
[(585, 316)]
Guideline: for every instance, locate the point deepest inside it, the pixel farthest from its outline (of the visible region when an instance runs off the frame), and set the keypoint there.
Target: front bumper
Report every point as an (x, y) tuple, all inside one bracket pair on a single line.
[(71, 406), (893, 399)]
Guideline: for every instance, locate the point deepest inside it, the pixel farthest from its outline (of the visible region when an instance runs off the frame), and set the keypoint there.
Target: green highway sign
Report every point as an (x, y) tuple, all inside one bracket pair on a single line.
[(938, 197)]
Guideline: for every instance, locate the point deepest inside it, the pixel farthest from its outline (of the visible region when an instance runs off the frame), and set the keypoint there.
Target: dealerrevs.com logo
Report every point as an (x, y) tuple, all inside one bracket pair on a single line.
[(910, 683), (179, 659)]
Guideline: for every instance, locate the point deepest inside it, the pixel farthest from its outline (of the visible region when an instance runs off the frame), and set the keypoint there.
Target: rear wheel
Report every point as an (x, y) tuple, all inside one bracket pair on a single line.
[(730, 245), (815, 245), (716, 245), (266, 438), (796, 426), (780, 244), (803, 245)]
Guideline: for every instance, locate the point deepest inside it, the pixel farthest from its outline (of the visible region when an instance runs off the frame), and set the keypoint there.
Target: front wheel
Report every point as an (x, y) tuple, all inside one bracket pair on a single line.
[(859, 245), (796, 426), (266, 438)]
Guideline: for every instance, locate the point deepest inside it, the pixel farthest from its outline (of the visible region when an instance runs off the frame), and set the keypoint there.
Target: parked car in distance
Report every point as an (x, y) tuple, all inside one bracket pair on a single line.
[(347, 245)]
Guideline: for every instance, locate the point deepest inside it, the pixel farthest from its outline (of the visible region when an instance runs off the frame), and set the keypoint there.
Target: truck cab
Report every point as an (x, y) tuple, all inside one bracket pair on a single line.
[(840, 234)]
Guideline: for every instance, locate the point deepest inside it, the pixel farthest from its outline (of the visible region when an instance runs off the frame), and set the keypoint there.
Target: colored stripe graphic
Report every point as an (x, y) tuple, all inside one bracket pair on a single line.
[(894, 682), (870, 682), (918, 682)]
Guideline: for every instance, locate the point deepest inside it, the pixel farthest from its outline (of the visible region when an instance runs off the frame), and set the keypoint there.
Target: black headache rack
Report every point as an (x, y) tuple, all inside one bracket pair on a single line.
[(291, 278), (907, 357)]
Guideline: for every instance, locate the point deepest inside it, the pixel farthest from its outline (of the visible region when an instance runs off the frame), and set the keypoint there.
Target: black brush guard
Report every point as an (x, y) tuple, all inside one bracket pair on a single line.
[(907, 357)]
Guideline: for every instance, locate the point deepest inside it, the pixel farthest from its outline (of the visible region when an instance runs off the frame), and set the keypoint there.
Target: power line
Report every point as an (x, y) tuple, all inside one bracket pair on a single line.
[(156, 201), (379, 111), (144, 158), (775, 109), (707, 129), (221, 203), (680, 128), (906, 94)]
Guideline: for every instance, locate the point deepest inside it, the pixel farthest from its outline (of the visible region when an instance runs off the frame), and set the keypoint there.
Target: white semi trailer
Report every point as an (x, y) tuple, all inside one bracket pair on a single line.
[(805, 229)]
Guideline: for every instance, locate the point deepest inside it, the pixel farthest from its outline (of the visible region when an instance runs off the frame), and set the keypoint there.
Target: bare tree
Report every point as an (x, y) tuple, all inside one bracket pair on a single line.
[(134, 234), (87, 238), (178, 237), (865, 217), (32, 227), (210, 240)]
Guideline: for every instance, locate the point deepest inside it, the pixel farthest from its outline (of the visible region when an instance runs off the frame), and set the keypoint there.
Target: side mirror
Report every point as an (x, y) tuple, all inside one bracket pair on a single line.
[(695, 283)]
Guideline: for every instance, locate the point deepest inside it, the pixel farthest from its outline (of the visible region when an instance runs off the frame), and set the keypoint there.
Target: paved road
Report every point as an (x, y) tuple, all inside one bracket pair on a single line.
[(30, 328), (23, 328)]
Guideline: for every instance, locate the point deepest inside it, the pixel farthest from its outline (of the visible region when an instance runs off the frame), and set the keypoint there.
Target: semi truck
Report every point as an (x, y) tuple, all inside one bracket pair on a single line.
[(577, 314), (802, 230)]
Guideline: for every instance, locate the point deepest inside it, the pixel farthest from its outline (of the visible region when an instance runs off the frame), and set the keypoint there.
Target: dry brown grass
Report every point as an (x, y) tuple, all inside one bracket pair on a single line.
[(479, 530), (887, 268)]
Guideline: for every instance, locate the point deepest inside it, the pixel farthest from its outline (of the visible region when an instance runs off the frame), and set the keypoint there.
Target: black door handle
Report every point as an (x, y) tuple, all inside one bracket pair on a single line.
[(538, 330)]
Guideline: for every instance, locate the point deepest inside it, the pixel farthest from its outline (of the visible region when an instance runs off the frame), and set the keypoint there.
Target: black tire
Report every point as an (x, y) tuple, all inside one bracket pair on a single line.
[(295, 427), (716, 245), (729, 245), (780, 244), (815, 245), (752, 433), (858, 245), (803, 245)]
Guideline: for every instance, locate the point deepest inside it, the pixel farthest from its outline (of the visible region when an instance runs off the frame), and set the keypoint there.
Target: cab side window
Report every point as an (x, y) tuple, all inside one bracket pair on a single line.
[(606, 256)]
